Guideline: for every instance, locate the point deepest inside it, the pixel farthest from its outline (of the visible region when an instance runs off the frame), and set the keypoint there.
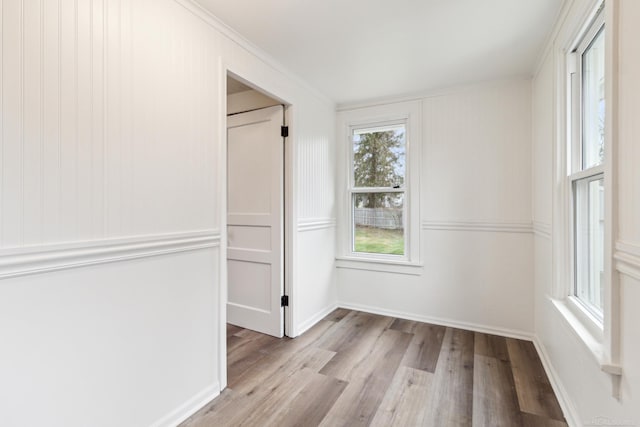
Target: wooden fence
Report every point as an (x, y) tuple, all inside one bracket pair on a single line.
[(390, 219)]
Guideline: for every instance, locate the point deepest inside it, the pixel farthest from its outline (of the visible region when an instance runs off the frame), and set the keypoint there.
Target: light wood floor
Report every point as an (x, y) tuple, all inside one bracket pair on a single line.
[(357, 369)]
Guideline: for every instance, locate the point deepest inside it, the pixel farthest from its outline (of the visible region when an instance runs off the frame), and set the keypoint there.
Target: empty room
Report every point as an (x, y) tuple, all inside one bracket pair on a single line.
[(335, 213)]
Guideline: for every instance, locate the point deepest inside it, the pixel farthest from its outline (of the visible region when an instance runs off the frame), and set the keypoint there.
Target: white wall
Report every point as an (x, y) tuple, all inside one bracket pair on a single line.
[(476, 231), (629, 205), (314, 269), (585, 390), (111, 201), (118, 344)]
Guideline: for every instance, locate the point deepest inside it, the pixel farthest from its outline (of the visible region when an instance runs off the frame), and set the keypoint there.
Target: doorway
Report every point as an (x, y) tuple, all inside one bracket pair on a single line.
[(256, 136)]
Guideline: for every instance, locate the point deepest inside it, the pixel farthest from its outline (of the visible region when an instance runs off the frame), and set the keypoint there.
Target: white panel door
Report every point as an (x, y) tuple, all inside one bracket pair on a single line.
[(255, 153)]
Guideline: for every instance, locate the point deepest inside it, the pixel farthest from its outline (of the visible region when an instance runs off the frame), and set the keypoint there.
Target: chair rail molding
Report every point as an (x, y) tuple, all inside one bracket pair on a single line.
[(311, 224), (542, 229), (472, 225), (45, 258), (627, 259)]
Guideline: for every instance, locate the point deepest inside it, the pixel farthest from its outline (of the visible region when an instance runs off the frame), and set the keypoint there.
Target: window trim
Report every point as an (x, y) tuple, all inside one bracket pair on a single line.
[(408, 113)]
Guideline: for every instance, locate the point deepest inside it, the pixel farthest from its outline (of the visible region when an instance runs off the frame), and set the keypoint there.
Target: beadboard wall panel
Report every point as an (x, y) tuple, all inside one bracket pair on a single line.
[(316, 160), (629, 133), (105, 123), (314, 186), (476, 154), (111, 131), (542, 143), (12, 121), (476, 265)]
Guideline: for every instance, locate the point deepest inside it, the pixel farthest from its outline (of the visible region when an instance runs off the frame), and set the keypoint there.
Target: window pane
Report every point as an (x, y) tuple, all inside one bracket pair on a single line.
[(593, 103), (379, 156), (378, 220), (590, 242)]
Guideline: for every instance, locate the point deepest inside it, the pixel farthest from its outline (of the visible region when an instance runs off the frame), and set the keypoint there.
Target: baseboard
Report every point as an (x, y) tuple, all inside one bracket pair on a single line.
[(190, 407), (509, 333), (309, 323), (568, 409)]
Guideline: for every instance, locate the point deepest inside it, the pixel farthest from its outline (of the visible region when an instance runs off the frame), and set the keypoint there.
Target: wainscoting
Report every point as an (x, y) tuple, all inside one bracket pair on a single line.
[(100, 328)]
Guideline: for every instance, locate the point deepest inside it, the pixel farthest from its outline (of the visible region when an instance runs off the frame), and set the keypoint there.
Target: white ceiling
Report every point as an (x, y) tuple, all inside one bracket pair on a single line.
[(234, 86), (353, 50)]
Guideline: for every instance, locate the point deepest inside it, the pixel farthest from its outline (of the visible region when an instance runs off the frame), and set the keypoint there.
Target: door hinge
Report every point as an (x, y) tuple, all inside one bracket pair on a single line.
[(284, 131), (284, 301)]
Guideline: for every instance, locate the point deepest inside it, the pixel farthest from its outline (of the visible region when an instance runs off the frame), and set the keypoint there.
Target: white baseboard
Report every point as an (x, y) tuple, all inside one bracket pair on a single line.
[(566, 404), (190, 407), (509, 333), (568, 409), (309, 323)]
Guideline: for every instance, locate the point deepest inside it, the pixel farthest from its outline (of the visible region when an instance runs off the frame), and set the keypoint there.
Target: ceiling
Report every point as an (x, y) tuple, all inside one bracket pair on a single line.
[(354, 50), (234, 86)]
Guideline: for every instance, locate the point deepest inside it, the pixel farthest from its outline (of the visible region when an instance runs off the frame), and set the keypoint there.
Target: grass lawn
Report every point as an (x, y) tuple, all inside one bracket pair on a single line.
[(379, 241)]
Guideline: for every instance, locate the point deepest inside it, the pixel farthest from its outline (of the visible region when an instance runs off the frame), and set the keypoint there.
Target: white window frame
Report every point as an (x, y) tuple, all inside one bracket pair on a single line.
[(593, 318), (352, 190), (408, 114), (601, 337)]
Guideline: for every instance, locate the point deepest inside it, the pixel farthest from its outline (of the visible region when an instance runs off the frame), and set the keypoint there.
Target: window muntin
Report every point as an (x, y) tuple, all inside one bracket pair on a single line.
[(378, 190), (587, 174)]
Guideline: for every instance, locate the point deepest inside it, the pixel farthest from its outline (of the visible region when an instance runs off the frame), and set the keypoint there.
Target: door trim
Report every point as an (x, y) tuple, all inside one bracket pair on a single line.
[(290, 214)]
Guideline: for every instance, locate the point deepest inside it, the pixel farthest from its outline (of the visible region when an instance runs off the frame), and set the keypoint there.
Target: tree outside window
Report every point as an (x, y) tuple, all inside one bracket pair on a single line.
[(379, 190)]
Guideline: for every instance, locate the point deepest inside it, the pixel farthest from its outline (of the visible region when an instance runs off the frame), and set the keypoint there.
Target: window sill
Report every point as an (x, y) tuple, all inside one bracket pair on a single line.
[(592, 341), (380, 265)]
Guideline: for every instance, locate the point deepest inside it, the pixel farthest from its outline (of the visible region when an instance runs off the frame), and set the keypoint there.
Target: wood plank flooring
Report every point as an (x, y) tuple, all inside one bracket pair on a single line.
[(360, 369)]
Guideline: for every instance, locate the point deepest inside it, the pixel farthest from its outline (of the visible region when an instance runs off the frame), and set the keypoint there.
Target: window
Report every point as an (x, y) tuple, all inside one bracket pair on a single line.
[(586, 288), (377, 190), (378, 224), (586, 169)]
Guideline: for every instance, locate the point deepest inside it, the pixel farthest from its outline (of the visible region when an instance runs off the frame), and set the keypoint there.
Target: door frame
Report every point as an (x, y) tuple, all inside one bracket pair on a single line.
[(289, 212)]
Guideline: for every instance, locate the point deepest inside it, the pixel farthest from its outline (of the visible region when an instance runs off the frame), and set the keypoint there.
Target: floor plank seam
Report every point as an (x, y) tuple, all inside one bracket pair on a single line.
[(356, 368)]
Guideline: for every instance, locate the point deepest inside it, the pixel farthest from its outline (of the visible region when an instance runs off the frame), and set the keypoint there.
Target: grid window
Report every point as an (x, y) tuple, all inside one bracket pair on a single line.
[(587, 65), (378, 190)]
